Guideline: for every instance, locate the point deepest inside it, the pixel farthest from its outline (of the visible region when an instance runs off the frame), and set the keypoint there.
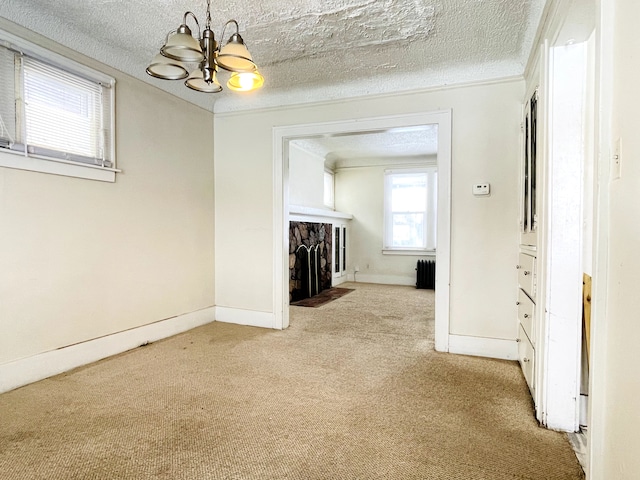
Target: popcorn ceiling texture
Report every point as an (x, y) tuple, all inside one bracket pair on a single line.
[(420, 143), (302, 34), (308, 50)]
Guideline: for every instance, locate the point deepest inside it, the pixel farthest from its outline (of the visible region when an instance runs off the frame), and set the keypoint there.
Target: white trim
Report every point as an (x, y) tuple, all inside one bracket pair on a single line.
[(240, 316), (38, 367), (540, 364), (483, 347), (560, 267), (443, 253), (397, 162), (281, 137), (317, 212), (598, 408), (318, 219), (33, 163), (389, 95), (415, 253), (280, 228), (335, 281), (382, 279)]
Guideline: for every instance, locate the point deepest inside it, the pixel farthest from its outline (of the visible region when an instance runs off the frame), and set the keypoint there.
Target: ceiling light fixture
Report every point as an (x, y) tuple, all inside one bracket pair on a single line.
[(181, 48), (245, 81)]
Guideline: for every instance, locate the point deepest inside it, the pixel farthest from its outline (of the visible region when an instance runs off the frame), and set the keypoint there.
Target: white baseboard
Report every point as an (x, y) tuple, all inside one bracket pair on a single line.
[(483, 347), (245, 317), (335, 281), (382, 279), (38, 367)]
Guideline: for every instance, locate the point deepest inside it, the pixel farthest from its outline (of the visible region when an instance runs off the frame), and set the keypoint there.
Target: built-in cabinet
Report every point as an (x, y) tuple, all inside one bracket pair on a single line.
[(339, 252), (527, 285), (529, 178), (527, 294)]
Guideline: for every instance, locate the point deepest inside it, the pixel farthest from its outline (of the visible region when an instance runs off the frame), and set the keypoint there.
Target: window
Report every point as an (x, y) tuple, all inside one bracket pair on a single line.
[(55, 115), (410, 210), (329, 199)]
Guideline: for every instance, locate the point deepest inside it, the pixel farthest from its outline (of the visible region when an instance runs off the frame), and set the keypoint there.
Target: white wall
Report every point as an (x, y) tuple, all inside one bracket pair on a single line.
[(618, 388), (306, 178), (486, 120), (360, 191), (81, 259)]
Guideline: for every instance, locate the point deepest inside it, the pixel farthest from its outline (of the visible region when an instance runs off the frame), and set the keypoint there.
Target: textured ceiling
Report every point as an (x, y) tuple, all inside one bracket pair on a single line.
[(307, 49), (418, 143)]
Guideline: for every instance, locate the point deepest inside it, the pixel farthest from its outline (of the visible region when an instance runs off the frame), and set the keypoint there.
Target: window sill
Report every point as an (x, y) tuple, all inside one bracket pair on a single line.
[(31, 163), (414, 252)]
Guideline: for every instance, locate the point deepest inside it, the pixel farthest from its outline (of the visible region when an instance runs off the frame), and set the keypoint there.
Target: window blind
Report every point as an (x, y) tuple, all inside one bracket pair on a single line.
[(54, 112)]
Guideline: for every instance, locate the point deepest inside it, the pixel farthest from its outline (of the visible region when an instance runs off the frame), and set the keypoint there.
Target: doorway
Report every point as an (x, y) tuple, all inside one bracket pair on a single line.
[(282, 136)]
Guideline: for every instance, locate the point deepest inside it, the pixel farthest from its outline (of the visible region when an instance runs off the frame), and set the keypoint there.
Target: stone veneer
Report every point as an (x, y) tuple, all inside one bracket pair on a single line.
[(308, 234)]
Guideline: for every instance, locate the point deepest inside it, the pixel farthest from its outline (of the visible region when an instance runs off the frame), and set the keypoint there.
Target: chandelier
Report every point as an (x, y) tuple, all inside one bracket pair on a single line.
[(181, 49)]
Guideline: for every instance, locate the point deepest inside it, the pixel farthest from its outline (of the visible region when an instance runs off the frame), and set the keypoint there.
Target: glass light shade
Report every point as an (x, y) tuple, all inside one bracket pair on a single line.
[(245, 81), (182, 47), (167, 68), (197, 82), (235, 56)]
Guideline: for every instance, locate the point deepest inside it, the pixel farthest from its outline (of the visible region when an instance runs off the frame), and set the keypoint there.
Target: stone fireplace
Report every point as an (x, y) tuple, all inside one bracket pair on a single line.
[(313, 237)]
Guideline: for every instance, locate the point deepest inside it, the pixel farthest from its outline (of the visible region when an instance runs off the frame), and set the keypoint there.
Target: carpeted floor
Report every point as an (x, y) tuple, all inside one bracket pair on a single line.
[(352, 390)]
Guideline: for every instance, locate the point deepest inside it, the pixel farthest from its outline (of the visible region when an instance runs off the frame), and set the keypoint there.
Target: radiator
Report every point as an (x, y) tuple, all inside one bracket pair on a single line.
[(426, 276)]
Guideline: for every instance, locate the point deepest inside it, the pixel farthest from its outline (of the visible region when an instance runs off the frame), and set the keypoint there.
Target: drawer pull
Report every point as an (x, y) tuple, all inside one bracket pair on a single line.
[(527, 272), (526, 360), (518, 267), (526, 315), (517, 303)]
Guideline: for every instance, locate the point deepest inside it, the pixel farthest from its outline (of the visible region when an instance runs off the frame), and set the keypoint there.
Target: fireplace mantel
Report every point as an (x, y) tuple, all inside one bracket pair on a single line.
[(300, 213)]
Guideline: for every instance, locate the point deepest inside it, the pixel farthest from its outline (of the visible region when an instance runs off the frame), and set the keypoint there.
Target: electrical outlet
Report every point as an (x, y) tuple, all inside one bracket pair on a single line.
[(356, 269), (480, 189)]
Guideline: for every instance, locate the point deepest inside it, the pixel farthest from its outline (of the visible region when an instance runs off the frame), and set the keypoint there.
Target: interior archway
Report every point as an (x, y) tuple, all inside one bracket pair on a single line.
[(281, 138)]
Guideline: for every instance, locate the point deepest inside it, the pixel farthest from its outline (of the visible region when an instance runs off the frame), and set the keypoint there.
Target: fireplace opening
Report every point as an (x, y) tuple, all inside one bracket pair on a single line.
[(310, 256)]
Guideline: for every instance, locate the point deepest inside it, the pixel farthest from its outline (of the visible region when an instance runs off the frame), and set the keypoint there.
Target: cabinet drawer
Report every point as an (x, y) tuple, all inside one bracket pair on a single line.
[(527, 273), (526, 310), (526, 357)]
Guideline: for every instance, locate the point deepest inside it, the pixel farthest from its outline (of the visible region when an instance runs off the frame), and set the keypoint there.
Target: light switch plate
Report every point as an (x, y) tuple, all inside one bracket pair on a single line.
[(480, 189)]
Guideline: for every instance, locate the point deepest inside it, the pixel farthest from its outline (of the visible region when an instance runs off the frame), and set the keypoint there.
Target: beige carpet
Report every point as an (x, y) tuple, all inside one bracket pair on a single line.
[(352, 390)]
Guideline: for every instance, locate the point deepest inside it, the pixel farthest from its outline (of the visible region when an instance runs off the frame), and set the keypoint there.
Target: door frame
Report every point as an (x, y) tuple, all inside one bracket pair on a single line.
[(561, 235), (281, 137)]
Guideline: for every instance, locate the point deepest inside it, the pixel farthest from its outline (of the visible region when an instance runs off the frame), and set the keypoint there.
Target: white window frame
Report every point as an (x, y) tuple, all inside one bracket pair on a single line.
[(430, 211), (26, 160), (330, 197)]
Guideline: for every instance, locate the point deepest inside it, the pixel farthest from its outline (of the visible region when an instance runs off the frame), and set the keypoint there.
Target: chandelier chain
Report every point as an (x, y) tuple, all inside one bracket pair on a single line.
[(208, 13)]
